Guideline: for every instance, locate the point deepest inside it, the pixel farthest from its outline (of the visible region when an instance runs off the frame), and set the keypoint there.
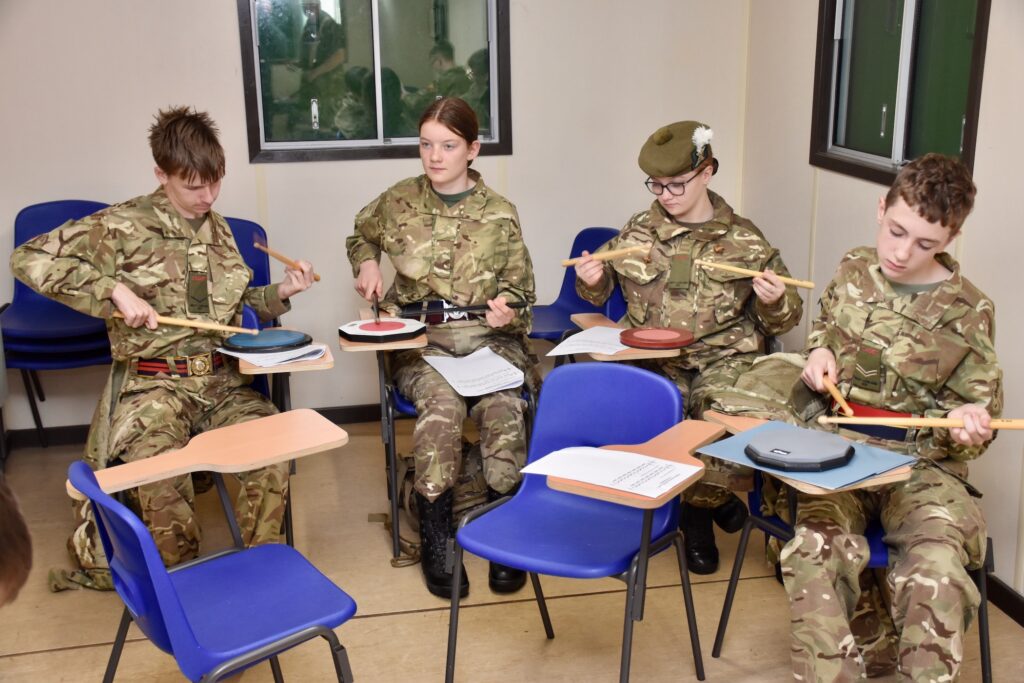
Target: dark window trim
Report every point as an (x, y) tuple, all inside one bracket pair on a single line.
[(251, 91), (821, 113)]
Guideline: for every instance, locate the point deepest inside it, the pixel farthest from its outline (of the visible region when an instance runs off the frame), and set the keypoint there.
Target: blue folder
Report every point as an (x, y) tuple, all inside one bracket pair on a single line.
[(867, 461)]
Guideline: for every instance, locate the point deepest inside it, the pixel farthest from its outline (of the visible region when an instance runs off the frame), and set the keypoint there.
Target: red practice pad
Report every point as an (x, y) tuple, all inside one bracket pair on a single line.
[(656, 337), (387, 330)]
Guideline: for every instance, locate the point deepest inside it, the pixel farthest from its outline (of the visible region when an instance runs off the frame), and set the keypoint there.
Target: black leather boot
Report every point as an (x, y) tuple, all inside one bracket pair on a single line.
[(502, 578), (731, 515), (701, 551), (435, 531)]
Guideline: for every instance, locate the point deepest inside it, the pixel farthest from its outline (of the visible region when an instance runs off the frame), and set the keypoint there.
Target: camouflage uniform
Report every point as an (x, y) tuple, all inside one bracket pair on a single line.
[(146, 245), (933, 352), (465, 254), (663, 288)]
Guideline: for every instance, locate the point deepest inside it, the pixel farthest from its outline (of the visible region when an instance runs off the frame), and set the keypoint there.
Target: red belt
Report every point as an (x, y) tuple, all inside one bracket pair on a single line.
[(181, 366), (879, 431)]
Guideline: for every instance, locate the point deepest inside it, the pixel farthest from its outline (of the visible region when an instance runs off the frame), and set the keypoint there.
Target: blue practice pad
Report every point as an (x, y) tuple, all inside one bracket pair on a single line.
[(267, 341)]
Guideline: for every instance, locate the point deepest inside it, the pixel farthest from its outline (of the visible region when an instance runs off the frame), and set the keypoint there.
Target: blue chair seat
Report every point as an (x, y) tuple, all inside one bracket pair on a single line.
[(57, 361), (529, 532), (36, 317), (550, 322), (69, 345), (232, 609)]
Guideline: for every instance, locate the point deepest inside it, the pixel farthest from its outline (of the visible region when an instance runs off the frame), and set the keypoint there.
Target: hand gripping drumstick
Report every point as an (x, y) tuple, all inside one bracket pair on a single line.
[(847, 410), (281, 257), (198, 324), (947, 422), (608, 255), (806, 284)]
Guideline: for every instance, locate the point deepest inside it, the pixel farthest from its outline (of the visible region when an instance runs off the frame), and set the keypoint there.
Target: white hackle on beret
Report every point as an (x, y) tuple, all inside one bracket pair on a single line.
[(702, 137)]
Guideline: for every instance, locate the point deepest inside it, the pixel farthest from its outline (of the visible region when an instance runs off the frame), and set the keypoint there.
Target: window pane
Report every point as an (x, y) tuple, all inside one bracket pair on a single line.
[(942, 72), (868, 68), (315, 59), (431, 48)]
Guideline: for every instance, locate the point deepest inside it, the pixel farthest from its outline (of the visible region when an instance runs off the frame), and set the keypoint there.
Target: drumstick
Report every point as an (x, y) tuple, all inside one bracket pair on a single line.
[(607, 255), (411, 312), (198, 324), (847, 410), (281, 257), (376, 308), (916, 422), (806, 284)]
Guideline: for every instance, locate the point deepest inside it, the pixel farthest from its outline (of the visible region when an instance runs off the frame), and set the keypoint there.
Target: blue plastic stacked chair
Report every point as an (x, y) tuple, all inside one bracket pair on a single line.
[(40, 333), (219, 614)]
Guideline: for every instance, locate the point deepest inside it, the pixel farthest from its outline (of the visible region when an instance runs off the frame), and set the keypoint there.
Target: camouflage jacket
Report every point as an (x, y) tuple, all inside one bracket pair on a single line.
[(718, 307), (146, 245), (464, 254), (923, 353)]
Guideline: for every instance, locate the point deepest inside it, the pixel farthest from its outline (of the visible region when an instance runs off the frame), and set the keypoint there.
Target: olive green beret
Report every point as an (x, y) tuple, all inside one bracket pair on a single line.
[(676, 149)]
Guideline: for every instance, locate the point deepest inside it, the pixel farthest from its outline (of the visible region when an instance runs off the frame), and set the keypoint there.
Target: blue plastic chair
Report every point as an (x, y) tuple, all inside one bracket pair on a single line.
[(773, 525), (551, 321), (219, 614), (544, 531), (43, 334)]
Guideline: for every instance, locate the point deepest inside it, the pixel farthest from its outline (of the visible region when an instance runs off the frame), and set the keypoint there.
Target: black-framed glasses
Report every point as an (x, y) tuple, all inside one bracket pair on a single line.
[(676, 188)]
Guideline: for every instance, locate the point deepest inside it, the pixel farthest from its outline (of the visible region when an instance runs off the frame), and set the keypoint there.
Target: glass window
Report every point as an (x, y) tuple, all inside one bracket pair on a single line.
[(895, 79), (330, 79)]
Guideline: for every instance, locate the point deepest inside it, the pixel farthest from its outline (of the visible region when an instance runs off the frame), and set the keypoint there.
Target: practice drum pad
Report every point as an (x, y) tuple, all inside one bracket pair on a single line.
[(267, 341), (656, 337), (801, 450), (387, 330)]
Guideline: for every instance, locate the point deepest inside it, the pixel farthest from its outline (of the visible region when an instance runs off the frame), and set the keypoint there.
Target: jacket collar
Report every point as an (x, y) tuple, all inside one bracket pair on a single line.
[(471, 207), (721, 220), (927, 311), (173, 225)]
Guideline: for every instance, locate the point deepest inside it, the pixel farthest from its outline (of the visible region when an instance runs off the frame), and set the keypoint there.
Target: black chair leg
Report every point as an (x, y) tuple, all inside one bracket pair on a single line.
[(453, 618), (390, 450), (38, 385), (983, 634), (115, 651), (627, 628), (542, 605), (3, 443), (26, 378), (341, 664), (275, 667), (730, 593), (289, 531), (691, 615)]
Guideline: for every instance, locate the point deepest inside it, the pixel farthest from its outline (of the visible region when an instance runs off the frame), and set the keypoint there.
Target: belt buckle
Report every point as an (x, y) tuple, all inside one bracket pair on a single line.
[(199, 366)]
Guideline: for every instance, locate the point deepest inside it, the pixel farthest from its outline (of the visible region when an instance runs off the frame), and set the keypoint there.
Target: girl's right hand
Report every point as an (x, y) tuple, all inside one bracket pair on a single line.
[(820, 362), (370, 281), (589, 270)]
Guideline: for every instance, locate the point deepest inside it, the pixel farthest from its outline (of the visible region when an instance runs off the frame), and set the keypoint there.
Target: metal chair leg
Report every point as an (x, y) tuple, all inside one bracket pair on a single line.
[(34, 374), (983, 634), (115, 651), (275, 667), (289, 531), (627, 628), (453, 618), (691, 615), (3, 443), (390, 451), (542, 605), (730, 593), (26, 379), (341, 664)]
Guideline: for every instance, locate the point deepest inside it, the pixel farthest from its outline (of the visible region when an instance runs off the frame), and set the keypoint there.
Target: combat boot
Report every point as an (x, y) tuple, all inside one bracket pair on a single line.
[(730, 515), (502, 578), (435, 532), (701, 551)]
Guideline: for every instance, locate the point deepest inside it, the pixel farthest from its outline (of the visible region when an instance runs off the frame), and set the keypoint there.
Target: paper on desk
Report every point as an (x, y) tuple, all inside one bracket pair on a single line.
[(481, 372), (596, 339), (632, 472), (275, 358)]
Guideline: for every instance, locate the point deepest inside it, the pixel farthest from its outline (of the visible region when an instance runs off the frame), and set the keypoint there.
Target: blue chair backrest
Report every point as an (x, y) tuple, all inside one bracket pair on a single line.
[(246, 232), (37, 219), (588, 239), (135, 565)]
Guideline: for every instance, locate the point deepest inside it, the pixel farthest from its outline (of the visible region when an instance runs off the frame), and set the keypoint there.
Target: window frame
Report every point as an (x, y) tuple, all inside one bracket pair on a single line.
[(858, 164), (501, 57)]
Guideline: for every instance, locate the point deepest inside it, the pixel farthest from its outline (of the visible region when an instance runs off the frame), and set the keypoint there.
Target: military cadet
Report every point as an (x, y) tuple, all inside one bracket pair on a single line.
[(452, 241), (901, 332), (16, 557), (169, 254), (729, 315)]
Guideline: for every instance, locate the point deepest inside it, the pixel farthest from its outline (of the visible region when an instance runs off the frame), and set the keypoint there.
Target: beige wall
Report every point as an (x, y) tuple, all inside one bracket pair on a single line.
[(815, 216)]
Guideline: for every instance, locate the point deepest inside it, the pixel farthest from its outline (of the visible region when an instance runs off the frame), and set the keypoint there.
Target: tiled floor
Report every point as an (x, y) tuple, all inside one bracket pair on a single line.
[(400, 630)]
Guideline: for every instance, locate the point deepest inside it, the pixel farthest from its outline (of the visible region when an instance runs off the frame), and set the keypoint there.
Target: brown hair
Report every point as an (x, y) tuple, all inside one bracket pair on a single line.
[(185, 144), (454, 114), (939, 187), (15, 546)]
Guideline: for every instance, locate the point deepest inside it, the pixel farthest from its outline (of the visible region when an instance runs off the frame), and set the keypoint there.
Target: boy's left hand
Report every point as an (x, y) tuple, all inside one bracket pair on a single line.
[(977, 425), (769, 288)]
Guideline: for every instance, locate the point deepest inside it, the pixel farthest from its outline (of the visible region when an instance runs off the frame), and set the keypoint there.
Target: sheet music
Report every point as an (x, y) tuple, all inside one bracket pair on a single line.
[(632, 472), (273, 359), (597, 339), (481, 372)]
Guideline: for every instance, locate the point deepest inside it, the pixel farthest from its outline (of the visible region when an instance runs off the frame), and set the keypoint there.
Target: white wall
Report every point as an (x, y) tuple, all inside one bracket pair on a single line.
[(815, 216), (81, 82)]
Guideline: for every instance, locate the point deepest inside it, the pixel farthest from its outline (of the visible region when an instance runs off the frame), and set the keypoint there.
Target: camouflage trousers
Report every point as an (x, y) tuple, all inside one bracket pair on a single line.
[(152, 416), (841, 629), (698, 389), (437, 437)]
